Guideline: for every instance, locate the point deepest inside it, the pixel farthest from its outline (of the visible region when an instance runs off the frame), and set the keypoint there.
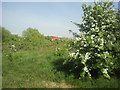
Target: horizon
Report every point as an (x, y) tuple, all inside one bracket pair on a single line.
[(50, 18)]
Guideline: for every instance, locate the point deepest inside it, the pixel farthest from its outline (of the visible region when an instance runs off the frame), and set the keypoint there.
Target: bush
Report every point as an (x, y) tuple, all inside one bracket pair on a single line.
[(97, 49)]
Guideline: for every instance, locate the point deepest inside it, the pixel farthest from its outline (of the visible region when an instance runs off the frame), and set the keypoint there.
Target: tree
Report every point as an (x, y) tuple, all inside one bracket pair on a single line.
[(96, 50), (6, 35), (32, 35)]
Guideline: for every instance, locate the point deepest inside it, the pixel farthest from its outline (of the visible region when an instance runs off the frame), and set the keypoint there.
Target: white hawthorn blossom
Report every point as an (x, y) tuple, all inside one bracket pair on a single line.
[(93, 25), (98, 54), (96, 46), (77, 50), (102, 43), (98, 39), (15, 50), (111, 63), (92, 41), (96, 29), (89, 75), (108, 36), (105, 70), (106, 54), (82, 41), (99, 15), (87, 56), (71, 54), (101, 64), (84, 32), (83, 37), (78, 38), (76, 54), (85, 45), (111, 42), (92, 37), (13, 46), (92, 29), (85, 69), (57, 49)]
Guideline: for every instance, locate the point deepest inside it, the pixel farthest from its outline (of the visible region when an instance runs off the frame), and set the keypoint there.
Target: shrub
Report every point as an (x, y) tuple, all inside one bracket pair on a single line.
[(97, 48)]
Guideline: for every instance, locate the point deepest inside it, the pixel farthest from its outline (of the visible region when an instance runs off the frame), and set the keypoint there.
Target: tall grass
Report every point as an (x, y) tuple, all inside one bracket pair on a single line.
[(41, 69)]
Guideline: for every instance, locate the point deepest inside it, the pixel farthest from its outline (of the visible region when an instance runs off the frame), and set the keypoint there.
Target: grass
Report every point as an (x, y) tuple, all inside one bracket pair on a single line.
[(29, 69), (40, 68)]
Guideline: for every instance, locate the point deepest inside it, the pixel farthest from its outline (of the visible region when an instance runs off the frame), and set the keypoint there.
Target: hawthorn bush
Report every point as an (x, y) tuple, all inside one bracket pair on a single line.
[(96, 50)]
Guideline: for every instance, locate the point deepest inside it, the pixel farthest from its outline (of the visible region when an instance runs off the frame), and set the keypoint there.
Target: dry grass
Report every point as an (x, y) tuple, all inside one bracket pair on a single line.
[(62, 84)]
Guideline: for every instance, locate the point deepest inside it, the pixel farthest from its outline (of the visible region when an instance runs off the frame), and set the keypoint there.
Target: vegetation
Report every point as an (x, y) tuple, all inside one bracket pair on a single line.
[(90, 60), (96, 51)]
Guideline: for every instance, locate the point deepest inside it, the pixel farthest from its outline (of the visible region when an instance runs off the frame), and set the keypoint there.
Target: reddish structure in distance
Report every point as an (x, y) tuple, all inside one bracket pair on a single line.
[(55, 38)]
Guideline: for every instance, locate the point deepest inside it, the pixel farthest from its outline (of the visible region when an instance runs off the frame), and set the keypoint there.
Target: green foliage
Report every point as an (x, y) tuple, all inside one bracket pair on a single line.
[(5, 34), (30, 40), (32, 34), (30, 61), (0, 33), (60, 52), (97, 49), (26, 65)]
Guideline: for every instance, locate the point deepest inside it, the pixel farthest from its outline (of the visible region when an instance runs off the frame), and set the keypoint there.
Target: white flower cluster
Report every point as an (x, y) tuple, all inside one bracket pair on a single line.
[(102, 43), (83, 37), (77, 50), (92, 37), (13, 46), (71, 54), (111, 63), (105, 70), (74, 55), (111, 42), (93, 25), (85, 69), (57, 48), (101, 64), (103, 27), (78, 38), (85, 45), (96, 29), (106, 54), (97, 54), (85, 58)]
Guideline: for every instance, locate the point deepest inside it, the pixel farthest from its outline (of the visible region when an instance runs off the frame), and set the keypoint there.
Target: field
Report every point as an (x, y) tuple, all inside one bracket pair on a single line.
[(90, 59), (41, 68)]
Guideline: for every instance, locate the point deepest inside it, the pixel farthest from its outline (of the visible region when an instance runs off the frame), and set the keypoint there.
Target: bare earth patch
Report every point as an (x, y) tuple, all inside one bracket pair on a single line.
[(62, 84)]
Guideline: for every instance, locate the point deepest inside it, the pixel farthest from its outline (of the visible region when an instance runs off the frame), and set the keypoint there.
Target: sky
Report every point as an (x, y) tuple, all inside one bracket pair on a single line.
[(50, 18)]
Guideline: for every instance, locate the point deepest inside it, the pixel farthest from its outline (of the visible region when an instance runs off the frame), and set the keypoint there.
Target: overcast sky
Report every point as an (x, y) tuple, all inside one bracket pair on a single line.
[(50, 18)]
